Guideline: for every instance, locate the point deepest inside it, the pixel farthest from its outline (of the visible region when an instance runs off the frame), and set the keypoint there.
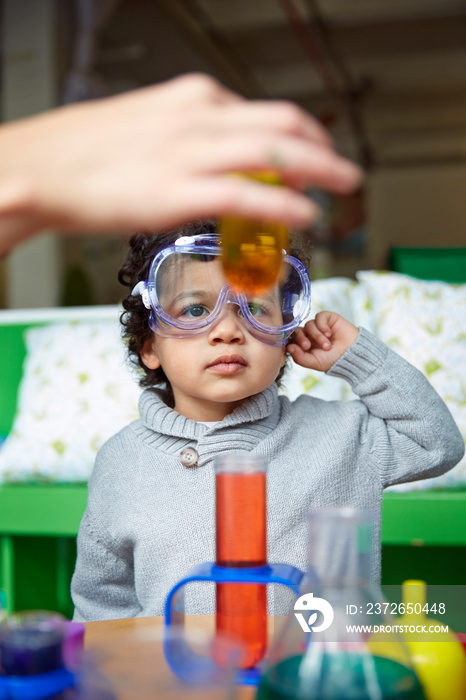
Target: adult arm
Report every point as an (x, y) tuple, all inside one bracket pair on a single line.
[(160, 156)]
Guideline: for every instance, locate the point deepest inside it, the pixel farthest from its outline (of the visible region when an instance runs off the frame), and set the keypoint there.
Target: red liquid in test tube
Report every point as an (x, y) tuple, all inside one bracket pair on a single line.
[(241, 542)]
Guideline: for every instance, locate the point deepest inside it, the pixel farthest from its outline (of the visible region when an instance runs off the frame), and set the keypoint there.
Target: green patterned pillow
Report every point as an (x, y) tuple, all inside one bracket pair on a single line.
[(425, 322), (76, 391)]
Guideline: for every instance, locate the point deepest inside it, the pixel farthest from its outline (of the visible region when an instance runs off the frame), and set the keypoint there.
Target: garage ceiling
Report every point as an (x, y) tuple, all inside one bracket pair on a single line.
[(387, 76)]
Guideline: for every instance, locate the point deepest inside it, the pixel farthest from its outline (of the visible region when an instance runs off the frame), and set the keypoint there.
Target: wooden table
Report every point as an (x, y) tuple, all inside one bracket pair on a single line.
[(142, 673)]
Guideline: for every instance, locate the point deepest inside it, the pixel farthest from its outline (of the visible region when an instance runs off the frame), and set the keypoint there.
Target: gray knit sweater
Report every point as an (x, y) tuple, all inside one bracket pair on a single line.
[(149, 518)]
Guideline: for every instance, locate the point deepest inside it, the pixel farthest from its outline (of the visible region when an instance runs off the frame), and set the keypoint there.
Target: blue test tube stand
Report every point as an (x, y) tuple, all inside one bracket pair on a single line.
[(181, 659), (37, 687)]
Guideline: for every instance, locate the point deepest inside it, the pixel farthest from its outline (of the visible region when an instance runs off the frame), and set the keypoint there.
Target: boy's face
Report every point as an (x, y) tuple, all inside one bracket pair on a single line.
[(213, 373)]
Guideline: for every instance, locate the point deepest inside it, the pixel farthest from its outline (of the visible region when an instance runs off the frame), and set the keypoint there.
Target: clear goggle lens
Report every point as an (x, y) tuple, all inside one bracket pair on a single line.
[(188, 292)]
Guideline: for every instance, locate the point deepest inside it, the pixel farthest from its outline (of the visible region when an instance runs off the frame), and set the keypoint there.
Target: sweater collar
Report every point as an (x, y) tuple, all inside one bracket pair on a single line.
[(157, 416)]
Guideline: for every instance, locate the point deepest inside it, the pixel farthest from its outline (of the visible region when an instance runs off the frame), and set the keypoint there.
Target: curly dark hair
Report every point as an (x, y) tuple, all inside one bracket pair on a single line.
[(135, 317)]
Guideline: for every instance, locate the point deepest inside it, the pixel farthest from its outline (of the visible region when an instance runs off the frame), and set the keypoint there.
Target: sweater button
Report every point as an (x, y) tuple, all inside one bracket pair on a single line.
[(189, 457)]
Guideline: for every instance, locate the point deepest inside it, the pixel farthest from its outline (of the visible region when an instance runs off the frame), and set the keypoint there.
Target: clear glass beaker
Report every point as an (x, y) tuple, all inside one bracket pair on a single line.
[(328, 648)]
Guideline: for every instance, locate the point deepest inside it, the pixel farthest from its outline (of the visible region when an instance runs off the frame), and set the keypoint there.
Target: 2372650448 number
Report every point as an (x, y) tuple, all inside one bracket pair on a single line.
[(404, 608)]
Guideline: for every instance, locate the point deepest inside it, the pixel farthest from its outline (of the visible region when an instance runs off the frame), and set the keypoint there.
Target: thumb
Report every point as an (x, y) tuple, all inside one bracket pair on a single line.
[(300, 357)]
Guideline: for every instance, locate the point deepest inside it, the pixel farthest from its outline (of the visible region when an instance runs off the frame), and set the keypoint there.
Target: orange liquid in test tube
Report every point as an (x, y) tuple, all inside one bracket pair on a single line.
[(241, 542), (252, 251)]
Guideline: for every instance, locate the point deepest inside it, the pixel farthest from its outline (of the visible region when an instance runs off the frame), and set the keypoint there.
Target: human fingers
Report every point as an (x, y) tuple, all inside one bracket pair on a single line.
[(322, 325), (290, 156), (238, 113), (269, 117), (312, 337), (105, 199), (173, 202), (299, 339), (302, 352), (300, 356), (216, 196)]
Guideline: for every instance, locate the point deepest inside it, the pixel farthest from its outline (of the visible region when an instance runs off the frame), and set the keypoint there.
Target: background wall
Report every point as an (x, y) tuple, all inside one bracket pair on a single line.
[(415, 206)]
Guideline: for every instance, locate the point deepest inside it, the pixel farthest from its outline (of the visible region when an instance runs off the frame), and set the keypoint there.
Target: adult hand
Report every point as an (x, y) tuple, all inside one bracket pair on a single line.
[(160, 156), (321, 342)]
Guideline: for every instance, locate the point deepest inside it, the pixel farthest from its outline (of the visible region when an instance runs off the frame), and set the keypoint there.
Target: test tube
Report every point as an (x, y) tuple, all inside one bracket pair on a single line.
[(252, 251), (341, 545), (241, 542)]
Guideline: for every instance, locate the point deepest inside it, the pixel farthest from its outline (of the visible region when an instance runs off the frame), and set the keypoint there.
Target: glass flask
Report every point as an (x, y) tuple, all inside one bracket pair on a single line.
[(252, 251), (328, 649)]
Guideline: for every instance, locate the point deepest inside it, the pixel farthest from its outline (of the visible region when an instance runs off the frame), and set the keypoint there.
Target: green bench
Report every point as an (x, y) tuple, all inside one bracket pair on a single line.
[(38, 522)]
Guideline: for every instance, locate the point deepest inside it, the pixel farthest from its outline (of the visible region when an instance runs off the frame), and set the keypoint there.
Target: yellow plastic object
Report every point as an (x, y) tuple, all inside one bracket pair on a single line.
[(437, 657), (252, 251), (440, 661)]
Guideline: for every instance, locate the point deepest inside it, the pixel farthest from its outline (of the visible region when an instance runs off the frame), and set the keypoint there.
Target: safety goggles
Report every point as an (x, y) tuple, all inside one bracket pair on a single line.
[(187, 293)]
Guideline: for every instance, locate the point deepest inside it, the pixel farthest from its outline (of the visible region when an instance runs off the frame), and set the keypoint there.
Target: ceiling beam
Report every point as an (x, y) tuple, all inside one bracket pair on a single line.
[(401, 37), (385, 39), (314, 38), (211, 45), (363, 12)]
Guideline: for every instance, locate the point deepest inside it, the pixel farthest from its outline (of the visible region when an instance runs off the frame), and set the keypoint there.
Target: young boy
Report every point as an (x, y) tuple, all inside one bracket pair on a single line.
[(212, 360)]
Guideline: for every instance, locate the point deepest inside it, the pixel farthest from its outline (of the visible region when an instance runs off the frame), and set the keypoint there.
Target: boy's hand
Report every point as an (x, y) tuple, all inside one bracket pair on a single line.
[(322, 341)]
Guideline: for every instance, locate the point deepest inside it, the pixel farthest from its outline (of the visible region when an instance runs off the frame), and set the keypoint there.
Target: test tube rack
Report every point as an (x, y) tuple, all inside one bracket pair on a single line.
[(179, 656)]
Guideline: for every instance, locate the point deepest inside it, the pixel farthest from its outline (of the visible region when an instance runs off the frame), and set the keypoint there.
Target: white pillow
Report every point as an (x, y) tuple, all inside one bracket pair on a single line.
[(344, 297), (425, 322), (76, 391)]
